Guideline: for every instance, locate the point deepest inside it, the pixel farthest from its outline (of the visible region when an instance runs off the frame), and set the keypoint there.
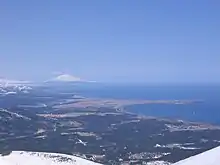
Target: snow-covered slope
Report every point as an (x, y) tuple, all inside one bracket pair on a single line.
[(211, 157), (42, 158)]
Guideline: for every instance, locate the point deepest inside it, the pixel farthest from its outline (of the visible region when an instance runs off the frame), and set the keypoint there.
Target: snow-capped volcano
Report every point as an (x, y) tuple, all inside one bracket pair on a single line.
[(66, 78), (42, 158)]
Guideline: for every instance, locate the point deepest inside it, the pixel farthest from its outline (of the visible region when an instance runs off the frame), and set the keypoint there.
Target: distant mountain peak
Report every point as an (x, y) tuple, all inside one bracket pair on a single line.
[(67, 78)]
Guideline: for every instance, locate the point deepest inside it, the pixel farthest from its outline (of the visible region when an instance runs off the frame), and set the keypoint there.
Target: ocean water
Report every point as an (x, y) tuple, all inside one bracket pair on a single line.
[(207, 111)]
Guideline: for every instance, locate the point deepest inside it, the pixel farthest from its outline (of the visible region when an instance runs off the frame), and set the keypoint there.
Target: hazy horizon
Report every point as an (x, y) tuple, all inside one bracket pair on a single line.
[(111, 41)]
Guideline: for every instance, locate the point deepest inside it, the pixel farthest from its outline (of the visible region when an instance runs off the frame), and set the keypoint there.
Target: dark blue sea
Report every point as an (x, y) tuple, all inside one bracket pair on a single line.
[(207, 111)]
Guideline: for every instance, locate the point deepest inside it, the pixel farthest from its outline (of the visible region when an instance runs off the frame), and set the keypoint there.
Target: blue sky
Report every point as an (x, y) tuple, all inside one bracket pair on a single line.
[(111, 41)]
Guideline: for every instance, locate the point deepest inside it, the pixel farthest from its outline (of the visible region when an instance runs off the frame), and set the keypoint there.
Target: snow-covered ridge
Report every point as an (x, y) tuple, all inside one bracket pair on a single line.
[(211, 157), (42, 158), (158, 162)]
